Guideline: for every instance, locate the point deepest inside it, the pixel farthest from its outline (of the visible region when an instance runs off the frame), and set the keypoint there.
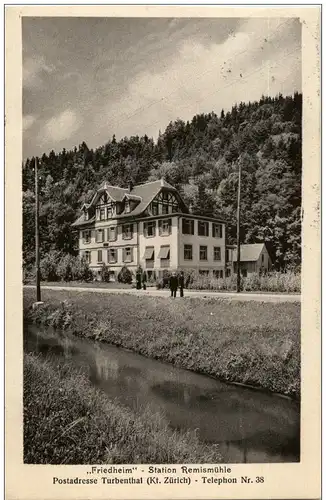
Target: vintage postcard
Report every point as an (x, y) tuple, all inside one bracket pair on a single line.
[(162, 252)]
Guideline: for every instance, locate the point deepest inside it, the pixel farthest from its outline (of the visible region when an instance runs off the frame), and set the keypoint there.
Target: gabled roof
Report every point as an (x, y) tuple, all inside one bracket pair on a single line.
[(249, 253), (143, 194), (147, 193), (115, 192), (82, 222)]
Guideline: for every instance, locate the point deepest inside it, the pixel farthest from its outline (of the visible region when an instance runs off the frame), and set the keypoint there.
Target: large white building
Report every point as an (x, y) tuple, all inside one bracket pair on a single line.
[(150, 226)]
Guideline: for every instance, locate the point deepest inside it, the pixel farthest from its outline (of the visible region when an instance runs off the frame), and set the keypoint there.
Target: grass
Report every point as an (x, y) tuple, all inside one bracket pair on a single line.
[(68, 421), (247, 342)]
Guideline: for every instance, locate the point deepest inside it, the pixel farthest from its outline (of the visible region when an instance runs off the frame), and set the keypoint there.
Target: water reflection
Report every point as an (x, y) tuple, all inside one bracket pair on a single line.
[(249, 426)]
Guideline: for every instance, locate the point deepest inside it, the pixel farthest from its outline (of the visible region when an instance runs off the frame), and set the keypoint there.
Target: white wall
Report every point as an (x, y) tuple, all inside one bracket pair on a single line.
[(157, 241), (196, 241)]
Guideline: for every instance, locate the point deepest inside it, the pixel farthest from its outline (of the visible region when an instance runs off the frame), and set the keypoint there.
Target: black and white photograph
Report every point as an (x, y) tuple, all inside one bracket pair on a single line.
[(162, 246)]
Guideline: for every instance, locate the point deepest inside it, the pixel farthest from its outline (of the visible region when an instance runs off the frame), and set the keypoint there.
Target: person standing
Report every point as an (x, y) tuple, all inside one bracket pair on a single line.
[(181, 283), (138, 278), (144, 279), (173, 284)]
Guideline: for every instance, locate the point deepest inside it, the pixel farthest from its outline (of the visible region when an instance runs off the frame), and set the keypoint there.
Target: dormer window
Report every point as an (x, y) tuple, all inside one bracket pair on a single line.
[(109, 212), (127, 207), (86, 214), (103, 199), (155, 208)]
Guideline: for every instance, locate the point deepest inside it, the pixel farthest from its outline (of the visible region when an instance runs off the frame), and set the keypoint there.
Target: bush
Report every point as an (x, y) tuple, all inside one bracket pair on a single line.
[(80, 270), (125, 275), (288, 282), (105, 273), (56, 266), (49, 266), (64, 268), (29, 275)]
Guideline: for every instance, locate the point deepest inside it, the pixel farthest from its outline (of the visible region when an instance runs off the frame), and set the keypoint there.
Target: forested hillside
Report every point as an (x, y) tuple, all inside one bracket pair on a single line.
[(199, 157)]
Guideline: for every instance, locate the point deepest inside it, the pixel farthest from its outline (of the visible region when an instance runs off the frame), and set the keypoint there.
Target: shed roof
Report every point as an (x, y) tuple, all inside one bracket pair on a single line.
[(249, 253)]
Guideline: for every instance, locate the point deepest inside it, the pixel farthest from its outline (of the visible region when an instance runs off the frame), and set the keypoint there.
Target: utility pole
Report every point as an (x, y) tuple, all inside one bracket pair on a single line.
[(37, 242), (238, 230)]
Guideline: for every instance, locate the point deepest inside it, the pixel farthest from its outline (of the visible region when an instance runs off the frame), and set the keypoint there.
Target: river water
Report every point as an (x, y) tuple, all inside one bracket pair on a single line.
[(248, 425)]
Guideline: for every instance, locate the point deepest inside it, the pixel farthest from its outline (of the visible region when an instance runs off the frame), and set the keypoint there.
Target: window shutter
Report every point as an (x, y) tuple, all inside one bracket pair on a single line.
[(170, 226), (131, 254), (124, 255)]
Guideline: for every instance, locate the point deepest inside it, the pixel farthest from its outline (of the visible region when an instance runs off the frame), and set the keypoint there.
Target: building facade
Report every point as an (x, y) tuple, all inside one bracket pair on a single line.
[(254, 258), (150, 226)]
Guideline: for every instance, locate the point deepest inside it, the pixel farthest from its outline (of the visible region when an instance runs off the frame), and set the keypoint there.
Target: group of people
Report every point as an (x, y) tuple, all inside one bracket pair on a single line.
[(175, 282)]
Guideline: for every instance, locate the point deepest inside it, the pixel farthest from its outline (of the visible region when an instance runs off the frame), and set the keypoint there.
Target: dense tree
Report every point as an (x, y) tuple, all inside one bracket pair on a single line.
[(200, 158)]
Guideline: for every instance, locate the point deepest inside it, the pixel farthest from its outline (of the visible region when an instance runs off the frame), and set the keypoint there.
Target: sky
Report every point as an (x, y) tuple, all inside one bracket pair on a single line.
[(85, 79)]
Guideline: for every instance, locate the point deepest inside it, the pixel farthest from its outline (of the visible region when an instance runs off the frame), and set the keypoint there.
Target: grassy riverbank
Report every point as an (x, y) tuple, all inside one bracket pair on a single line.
[(248, 342), (68, 421)]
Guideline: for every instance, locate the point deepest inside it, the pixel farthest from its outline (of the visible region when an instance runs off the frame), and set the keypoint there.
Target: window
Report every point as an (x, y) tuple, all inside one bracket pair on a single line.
[(202, 253), (217, 253), (127, 231), (149, 229), (100, 236), (86, 235), (229, 254), (112, 255), (219, 273), (164, 252), (154, 208), (203, 272), (87, 256), (102, 213), (228, 273), (109, 212), (217, 230), (164, 227), (99, 256), (112, 233), (203, 228), (187, 226), (187, 252), (128, 254), (127, 207), (165, 209), (103, 199), (149, 253)]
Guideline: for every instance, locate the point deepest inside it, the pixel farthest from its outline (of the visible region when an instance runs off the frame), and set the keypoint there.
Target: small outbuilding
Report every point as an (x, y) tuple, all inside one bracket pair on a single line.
[(254, 258)]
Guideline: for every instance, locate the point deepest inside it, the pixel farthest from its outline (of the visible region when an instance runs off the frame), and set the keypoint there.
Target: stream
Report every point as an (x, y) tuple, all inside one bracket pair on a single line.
[(249, 426)]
